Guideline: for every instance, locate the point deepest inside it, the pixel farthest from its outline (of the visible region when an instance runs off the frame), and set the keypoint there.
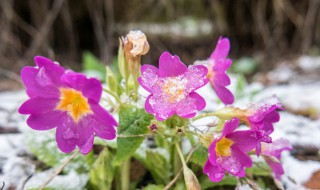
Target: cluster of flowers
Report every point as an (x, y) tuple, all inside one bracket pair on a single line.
[(69, 102)]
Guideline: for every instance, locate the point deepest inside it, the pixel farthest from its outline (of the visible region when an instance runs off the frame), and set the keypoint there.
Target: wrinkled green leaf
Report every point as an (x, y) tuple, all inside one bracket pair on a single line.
[(132, 121), (102, 172), (158, 165), (200, 155)]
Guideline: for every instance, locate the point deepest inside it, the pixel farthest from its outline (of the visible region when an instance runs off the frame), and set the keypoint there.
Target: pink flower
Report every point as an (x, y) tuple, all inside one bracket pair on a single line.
[(67, 101), (172, 87), (272, 153), (229, 152), (217, 66), (261, 116)]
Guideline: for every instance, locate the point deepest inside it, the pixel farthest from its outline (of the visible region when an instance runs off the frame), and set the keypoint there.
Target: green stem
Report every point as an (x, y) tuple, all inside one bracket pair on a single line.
[(113, 95), (203, 115), (125, 175), (180, 154)]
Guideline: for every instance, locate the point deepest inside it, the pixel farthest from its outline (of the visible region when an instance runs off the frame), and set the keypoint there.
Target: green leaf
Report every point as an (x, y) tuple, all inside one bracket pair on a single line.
[(158, 165), (102, 172), (200, 155), (92, 64), (259, 169), (132, 121), (44, 147)]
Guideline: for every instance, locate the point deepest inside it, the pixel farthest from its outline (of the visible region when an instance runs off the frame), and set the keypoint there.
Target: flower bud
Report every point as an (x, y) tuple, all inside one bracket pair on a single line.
[(191, 180)]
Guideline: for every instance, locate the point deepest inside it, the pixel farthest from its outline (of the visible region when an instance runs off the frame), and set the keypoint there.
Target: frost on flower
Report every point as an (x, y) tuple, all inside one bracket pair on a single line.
[(172, 87), (67, 101), (218, 64), (261, 116), (272, 154), (138, 43), (229, 152)]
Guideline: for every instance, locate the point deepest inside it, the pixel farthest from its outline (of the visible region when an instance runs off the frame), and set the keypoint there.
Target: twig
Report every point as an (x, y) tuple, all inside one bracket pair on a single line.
[(178, 174), (43, 32), (3, 184), (59, 170)]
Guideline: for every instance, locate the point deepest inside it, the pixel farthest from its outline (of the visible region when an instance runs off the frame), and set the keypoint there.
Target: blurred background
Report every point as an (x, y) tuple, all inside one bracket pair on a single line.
[(267, 31)]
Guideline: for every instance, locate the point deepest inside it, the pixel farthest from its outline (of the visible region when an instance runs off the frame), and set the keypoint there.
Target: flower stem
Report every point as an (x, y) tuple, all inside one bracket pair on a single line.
[(113, 95), (59, 170), (178, 174), (180, 154), (125, 175), (203, 115)]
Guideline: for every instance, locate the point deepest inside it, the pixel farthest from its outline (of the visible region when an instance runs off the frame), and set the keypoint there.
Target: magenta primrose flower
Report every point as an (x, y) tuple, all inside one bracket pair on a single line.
[(172, 87), (272, 153), (67, 101), (217, 66), (261, 116), (229, 152)]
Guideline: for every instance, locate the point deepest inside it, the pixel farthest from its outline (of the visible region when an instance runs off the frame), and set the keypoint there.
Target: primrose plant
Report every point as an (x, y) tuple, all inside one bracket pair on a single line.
[(69, 102)]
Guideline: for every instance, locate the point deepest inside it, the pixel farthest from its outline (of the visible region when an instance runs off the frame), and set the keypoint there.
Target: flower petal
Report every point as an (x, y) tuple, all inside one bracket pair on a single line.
[(103, 116), (149, 77), (224, 94), (212, 152), (66, 143), (37, 82), (276, 167), (46, 120), (86, 136), (161, 108), (38, 105), (263, 108), (189, 106), (54, 70), (222, 49), (148, 106), (170, 66), (214, 172), (243, 140), (229, 127), (197, 77)]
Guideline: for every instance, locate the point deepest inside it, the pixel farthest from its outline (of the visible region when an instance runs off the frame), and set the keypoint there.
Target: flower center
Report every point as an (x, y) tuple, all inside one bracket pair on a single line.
[(173, 88), (223, 147), (74, 103)]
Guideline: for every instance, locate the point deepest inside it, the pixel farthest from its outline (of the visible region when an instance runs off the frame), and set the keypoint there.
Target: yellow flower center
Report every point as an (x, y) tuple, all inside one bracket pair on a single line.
[(223, 147), (174, 88), (74, 103)]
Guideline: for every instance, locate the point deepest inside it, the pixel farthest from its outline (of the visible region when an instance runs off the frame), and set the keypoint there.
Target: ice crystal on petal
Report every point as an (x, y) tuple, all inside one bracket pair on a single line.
[(172, 87)]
